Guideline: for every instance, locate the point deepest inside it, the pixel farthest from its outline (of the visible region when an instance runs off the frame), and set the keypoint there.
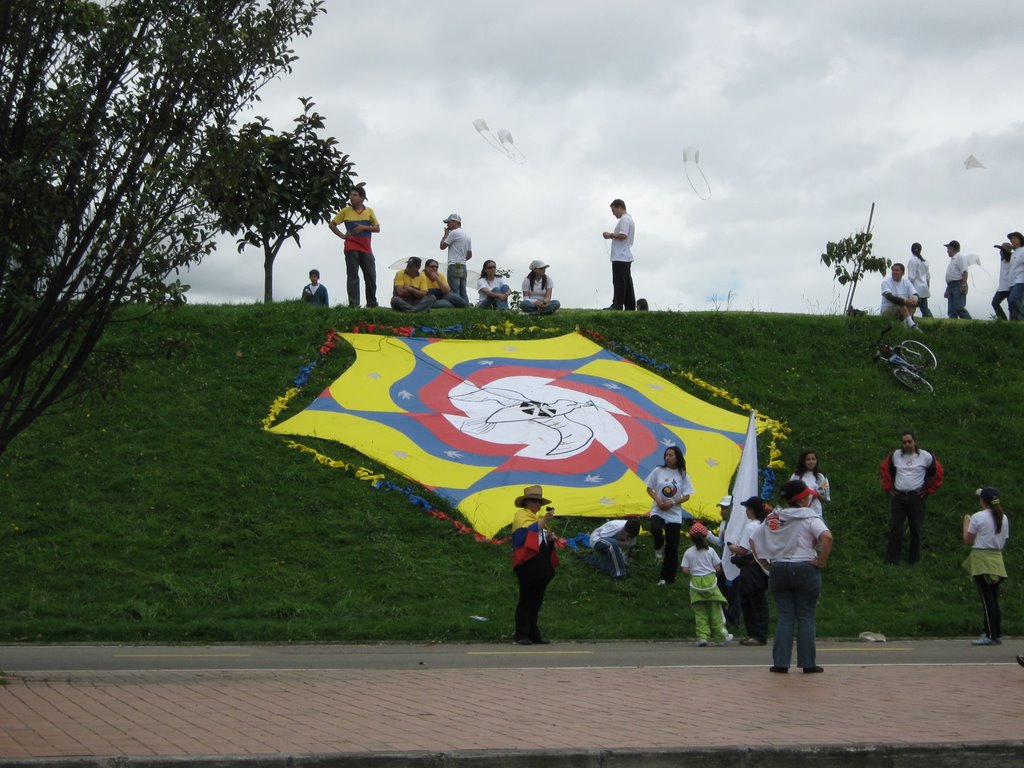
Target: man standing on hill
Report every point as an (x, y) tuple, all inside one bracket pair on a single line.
[(457, 242), (909, 475), (360, 222), (956, 283), (623, 296)]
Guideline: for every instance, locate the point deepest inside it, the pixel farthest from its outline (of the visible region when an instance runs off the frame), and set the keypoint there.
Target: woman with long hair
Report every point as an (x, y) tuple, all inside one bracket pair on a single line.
[(537, 288), (492, 288), (669, 487), (810, 473), (986, 532), (1003, 289), (919, 277)]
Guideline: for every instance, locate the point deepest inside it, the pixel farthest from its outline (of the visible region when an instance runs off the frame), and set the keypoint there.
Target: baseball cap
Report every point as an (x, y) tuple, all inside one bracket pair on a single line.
[(538, 264), (953, 244), (452, 217)]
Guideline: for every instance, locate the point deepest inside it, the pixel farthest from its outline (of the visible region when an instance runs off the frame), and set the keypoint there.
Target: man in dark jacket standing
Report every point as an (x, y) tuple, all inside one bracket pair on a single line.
[(909, 475)]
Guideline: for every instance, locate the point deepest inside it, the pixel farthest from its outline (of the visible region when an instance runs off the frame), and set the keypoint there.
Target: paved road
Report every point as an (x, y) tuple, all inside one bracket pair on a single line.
[(932, 703)]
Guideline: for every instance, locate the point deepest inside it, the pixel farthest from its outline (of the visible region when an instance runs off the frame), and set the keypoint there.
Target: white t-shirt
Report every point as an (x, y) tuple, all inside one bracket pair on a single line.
[(1004, 273), (1017, 266), (984, 529), (668, 484), (957, 267), (537, 293), (490, 285), (459, 245), (910, 469), (607, 531), (622, 249), (700, 562), (789, 536), (902, 289), (920, 276)]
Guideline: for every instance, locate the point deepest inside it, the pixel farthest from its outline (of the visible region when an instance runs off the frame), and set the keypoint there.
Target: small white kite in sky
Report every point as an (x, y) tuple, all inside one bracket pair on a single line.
[(502, 142), (691, 157), (972, 162)]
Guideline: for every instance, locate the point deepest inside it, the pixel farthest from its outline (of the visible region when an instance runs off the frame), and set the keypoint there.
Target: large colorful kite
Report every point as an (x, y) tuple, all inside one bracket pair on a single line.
[(476, 421)]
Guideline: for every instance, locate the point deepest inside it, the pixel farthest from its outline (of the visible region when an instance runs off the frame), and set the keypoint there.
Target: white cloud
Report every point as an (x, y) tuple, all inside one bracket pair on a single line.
[(805, 113)]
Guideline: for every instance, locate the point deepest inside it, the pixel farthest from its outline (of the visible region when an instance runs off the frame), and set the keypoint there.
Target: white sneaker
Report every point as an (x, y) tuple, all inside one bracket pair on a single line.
[(662, 583), (702, 643), (659, 554)]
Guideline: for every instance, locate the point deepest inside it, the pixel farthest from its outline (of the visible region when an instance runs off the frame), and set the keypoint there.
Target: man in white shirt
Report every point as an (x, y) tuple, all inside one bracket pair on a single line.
[(898, 296), (956, 283), (1016, 276), (623, 296), (909, 475), (613, 543), (457, 242)]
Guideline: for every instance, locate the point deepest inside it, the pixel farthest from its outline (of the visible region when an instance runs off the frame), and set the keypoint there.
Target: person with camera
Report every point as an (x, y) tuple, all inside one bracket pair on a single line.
[(534, 560)]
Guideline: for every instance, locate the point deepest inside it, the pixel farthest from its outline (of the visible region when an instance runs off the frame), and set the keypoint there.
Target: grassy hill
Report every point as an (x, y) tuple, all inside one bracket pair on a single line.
[(162, 511)]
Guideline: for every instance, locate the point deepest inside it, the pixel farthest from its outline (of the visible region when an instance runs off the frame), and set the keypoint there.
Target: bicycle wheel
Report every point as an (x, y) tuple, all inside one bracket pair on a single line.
[(917, 353), (912, 380)]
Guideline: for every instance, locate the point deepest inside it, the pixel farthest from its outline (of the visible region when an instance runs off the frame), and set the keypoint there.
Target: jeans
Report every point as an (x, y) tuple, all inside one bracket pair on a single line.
[(795, 588), (956, 301), (447, 300), (489, 302), (922, 306), (355, 261), (997, 301), (530, 307), (907, 507), (422, 305), (1016, 301), (610, 557), (457, 281)]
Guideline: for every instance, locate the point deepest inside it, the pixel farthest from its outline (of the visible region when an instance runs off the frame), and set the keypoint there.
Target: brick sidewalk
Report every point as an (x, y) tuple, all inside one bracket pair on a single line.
[(356, 711)]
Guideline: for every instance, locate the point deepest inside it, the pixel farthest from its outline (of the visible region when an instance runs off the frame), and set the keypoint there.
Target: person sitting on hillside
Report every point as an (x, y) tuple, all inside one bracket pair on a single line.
[(315, 293), (537, 288), (613, 544), (492, 288), (439, 288), (410, 287), (898, 296)]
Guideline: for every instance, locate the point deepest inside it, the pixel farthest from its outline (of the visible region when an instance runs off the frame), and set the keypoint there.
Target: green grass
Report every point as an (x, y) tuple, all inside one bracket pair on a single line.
[(161, 511)]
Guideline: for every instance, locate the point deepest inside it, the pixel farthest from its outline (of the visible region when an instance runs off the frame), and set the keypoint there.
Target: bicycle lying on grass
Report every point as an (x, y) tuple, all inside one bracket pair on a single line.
[(909, 361)]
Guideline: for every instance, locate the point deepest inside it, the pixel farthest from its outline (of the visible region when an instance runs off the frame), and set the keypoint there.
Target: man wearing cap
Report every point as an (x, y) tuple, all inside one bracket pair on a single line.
[(537, 288), (956, 283), (1016, 276), (360, 223), (909, 475), (623, 296), (456, 241), (898, 296), (534, 560), (412, 292)]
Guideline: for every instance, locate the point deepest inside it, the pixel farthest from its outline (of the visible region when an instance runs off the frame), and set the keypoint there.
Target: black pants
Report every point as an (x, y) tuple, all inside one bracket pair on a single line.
[(997, 301), (623, 296), (534, 576), (990, 603), (907, 507), (667, 535), (752, 585)]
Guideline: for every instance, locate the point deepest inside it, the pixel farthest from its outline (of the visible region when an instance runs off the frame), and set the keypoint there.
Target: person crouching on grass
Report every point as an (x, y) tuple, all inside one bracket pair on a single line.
[(702, 564)]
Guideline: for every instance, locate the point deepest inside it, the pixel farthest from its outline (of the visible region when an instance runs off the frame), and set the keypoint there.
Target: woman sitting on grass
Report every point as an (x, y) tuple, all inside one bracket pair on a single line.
[(537, 287), (492, 288)]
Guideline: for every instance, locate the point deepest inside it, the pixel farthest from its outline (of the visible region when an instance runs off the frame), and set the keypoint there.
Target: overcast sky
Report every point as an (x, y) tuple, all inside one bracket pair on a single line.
[(804, 113)]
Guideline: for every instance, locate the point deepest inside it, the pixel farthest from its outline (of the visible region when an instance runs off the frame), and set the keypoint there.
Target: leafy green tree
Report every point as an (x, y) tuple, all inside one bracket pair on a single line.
[(268, 186), (104, 109), (850, 258)]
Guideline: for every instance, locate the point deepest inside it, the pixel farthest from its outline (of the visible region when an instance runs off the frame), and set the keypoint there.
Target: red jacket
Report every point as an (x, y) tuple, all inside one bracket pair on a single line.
[(933, 474)]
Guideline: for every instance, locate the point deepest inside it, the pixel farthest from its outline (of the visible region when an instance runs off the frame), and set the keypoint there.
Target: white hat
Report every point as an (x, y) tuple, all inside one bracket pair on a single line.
[(538, 264), (726, 501), (452, 217)]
